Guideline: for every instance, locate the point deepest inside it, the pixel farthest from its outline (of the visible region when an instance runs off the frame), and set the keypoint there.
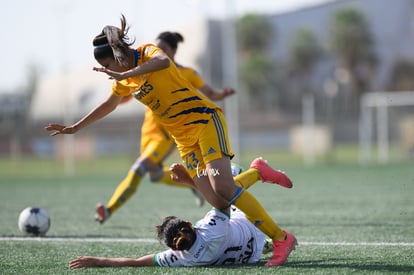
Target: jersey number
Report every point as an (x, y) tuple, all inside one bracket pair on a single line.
[(191, 161)]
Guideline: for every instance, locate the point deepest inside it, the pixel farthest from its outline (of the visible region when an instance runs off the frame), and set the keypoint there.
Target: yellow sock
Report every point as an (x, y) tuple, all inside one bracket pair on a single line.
[(257, 215), (247, 178), (124, 191), (166, 178)]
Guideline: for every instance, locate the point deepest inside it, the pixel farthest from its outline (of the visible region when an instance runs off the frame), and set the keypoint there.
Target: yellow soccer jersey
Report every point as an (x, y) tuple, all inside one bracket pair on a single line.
[(191, 75), (175, 103), (152, 128)]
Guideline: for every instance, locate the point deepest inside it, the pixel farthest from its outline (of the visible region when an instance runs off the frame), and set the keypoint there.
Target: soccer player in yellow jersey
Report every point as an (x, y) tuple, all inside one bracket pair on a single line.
[(196, 124), (156, 142)]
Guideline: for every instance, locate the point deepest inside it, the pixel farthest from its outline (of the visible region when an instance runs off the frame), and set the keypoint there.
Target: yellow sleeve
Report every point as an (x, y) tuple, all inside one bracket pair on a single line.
[(126, 86), (121, 88), (192, 76)]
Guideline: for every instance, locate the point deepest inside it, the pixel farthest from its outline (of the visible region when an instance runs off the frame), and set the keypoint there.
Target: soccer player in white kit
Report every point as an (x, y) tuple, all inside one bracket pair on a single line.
[(220, 238), (217, 239)]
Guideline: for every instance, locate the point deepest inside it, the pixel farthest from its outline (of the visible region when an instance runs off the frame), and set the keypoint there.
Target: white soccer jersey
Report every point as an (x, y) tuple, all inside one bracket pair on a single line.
[(220, 240)]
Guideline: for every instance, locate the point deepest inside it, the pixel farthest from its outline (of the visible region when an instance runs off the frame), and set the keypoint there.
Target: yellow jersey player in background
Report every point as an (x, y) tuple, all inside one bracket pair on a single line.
[(156, 142), (196, 124)]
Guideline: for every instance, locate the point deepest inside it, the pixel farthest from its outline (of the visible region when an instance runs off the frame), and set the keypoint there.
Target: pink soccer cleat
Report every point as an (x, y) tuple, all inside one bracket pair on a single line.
[(268, 174), (102, 213), (282, 249)]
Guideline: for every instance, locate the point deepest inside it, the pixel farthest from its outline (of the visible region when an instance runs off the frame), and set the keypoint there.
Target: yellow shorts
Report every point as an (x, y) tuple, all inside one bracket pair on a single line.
[(156, 145), (212, 144)]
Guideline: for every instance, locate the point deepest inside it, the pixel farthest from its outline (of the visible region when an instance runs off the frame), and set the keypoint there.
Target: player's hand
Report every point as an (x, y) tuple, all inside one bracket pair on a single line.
[(112, 74), (83, 261), (180, 174), (60, 129), (228, 91)]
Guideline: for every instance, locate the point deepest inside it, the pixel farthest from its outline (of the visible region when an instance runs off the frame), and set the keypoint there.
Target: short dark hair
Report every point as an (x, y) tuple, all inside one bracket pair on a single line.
[(177, 234), (171, 38)]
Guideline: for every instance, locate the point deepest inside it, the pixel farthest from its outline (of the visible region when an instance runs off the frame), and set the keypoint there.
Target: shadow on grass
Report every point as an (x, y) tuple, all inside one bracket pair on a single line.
[(341, 225), (370, 266), (327, 264)]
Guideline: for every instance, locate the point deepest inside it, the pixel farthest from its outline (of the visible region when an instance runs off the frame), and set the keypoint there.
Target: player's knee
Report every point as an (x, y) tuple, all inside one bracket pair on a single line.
[(139, 168), (224, 190), (156, 174)]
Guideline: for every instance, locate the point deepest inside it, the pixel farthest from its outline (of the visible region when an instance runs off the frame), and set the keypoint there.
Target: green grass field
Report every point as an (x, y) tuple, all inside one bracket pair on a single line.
[(347, 218)]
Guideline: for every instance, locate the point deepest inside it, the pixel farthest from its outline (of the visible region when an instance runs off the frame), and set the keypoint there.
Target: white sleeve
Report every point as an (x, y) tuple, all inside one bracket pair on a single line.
[(169, 258), (214, 224), (236, 213)]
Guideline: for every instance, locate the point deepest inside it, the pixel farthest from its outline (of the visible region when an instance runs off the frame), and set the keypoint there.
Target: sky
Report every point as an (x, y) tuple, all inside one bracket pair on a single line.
[(57, 35)]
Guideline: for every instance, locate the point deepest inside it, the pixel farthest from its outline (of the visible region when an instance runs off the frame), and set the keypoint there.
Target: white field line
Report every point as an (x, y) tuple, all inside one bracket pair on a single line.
[(144, 240), (354, 244), (80, 239)]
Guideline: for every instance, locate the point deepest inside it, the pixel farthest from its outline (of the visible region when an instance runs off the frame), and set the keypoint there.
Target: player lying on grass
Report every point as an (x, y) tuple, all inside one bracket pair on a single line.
[(222, 237), (217, 239)]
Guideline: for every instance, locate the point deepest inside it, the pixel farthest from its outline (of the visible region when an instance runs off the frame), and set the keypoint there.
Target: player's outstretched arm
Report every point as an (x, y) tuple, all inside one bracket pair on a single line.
[(90, 261), (99, 112), (156, 63), (216, 95)]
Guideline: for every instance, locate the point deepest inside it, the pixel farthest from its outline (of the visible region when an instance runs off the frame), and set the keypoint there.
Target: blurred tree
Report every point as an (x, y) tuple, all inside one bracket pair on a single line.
[(19, 116), (257, 75), (257, 69), (352, 43), (304, 51), (254, 33)]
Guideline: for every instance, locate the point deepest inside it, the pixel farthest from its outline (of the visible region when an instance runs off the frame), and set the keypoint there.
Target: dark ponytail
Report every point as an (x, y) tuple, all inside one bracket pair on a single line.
[(113, 42), (176, 233)]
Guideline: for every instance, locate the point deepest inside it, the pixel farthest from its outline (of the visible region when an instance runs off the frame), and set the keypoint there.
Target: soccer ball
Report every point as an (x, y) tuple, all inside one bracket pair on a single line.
[(236, 169), (34, 221)]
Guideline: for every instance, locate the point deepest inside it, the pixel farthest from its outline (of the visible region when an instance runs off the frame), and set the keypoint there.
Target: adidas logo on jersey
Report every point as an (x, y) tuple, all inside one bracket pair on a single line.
[(210, 151)]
